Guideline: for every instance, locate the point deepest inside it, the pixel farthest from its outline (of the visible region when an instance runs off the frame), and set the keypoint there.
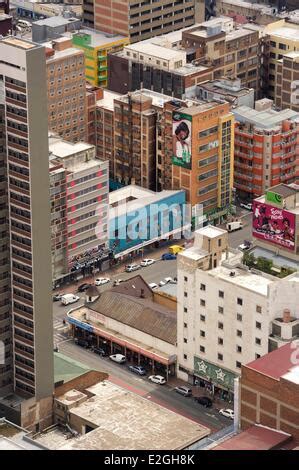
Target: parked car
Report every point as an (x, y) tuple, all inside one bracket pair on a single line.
[(119, 358), (57, 297), (232, 226), (168, 256), (118, 281), (157, 379), (187, 392), (83, 287), (99, 351), (137, 369), (246, 205), (153, 285), (204, 401), (167, 280), (132, 267), (147, 262), (228, 413), (245, 246), (101, 281), (69, 299), (82, 342)]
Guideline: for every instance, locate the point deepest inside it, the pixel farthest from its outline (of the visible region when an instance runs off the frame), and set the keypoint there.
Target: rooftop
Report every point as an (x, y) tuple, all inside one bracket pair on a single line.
[(19, 43), (284, 190), (127, 421), (156, 50), (286, 32), (277, 364), (257, 437), (264, 119), (107, 101), (54, 21), (210, 231), (99, 38), (66, 369), (226, 87), (278, 260), (11, 437), (62, 148)]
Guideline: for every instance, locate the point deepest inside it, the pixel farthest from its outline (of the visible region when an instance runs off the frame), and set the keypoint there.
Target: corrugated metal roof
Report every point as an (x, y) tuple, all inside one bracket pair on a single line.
[(141, 314)]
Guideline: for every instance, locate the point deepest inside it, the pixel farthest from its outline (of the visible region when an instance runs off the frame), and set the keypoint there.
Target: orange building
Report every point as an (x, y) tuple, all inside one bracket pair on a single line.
[(265, 148)]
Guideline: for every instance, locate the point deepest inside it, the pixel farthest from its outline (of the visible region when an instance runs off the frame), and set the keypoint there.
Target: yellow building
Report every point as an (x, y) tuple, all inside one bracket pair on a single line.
[(96, 46), (284, 38)]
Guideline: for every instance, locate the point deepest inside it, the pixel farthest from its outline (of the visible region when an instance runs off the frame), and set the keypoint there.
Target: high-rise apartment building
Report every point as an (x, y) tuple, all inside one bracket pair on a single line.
[(175, 63), (26, 310), (284, 38), (140, 19), (266, 148), (67, 110), (79, 208), (140, 135), (287, 82)]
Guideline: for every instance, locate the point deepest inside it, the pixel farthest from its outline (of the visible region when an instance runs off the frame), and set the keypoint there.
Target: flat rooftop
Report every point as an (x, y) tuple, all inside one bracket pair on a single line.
[(54, 21), (224, 87), (277, 364), (286, 32), (11, 437), (156, 50), (107, 101), (253, 282), (256, 437), (210, 231), (19, 43), (62, 148), (99, 38), (66, 368), (264, 119), (126, 421), (278, 260)]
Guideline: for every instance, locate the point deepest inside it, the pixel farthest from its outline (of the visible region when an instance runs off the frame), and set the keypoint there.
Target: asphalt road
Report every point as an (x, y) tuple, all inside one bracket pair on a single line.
[(163, 395)]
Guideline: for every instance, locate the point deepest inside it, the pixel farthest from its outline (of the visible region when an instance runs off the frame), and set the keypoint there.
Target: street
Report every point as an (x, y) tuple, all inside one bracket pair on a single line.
[(119, 374), (163, 395)]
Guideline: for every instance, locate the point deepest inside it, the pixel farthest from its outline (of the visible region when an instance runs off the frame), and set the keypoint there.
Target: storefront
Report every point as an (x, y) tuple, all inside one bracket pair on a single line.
[(156, 362), (217, 381)]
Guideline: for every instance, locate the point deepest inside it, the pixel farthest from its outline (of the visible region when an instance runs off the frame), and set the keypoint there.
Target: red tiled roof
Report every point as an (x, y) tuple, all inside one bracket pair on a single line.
[(255, 438), (275, 364)]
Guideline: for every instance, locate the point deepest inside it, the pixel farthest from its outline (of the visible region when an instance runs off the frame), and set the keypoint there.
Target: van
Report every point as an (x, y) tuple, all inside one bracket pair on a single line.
[(69, 299), (175, 249), (24, 24), (232, 226)]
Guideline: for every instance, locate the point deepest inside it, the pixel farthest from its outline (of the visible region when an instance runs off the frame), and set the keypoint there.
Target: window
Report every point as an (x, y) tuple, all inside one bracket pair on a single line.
[(185, 325), (185, 279), (239, 317), (202, 333), (202, 349), (220, 357), (220, 325), (239, 333), (239, 349), (221, 294), (202, 287), (220, 341), (257, 356), (185, 340), (259, 309), (185, 357), (238, 365), (239, 301), (219, 242), (202, 302), (220, 309), (258, 325), (185, 309), (282, 46), (202, 318), (185, 294), (258, 341)]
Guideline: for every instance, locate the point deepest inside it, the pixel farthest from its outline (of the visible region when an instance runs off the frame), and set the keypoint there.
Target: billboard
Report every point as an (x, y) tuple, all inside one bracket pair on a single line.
[(182, 139), (274, 225)]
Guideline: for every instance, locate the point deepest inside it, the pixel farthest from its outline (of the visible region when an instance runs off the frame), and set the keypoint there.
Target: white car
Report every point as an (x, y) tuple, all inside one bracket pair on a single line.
[(167, 280), (246, 205), (119, 358), (147, 262), (101, 281), (157, 379), (153, 285), (69, 299), (227, 413), (244, 247)]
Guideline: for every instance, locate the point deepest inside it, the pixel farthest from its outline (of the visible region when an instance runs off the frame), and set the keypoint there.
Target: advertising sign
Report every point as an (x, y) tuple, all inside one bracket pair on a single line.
[(182, 139), (274, 225)]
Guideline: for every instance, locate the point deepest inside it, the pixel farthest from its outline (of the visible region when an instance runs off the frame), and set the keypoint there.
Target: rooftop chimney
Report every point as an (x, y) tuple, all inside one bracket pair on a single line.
[(286, 315)]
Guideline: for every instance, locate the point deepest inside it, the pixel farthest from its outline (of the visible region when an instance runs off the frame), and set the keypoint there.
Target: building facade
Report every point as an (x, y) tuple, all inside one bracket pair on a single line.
[(266, 148), (287, 77), (79, 208), (67, 110), (26, 283), (269, 392), (141, 20), (225, 311), (96, 45)]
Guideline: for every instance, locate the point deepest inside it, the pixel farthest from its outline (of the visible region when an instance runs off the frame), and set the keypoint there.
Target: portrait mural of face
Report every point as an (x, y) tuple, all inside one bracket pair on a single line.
[(181, 137)]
